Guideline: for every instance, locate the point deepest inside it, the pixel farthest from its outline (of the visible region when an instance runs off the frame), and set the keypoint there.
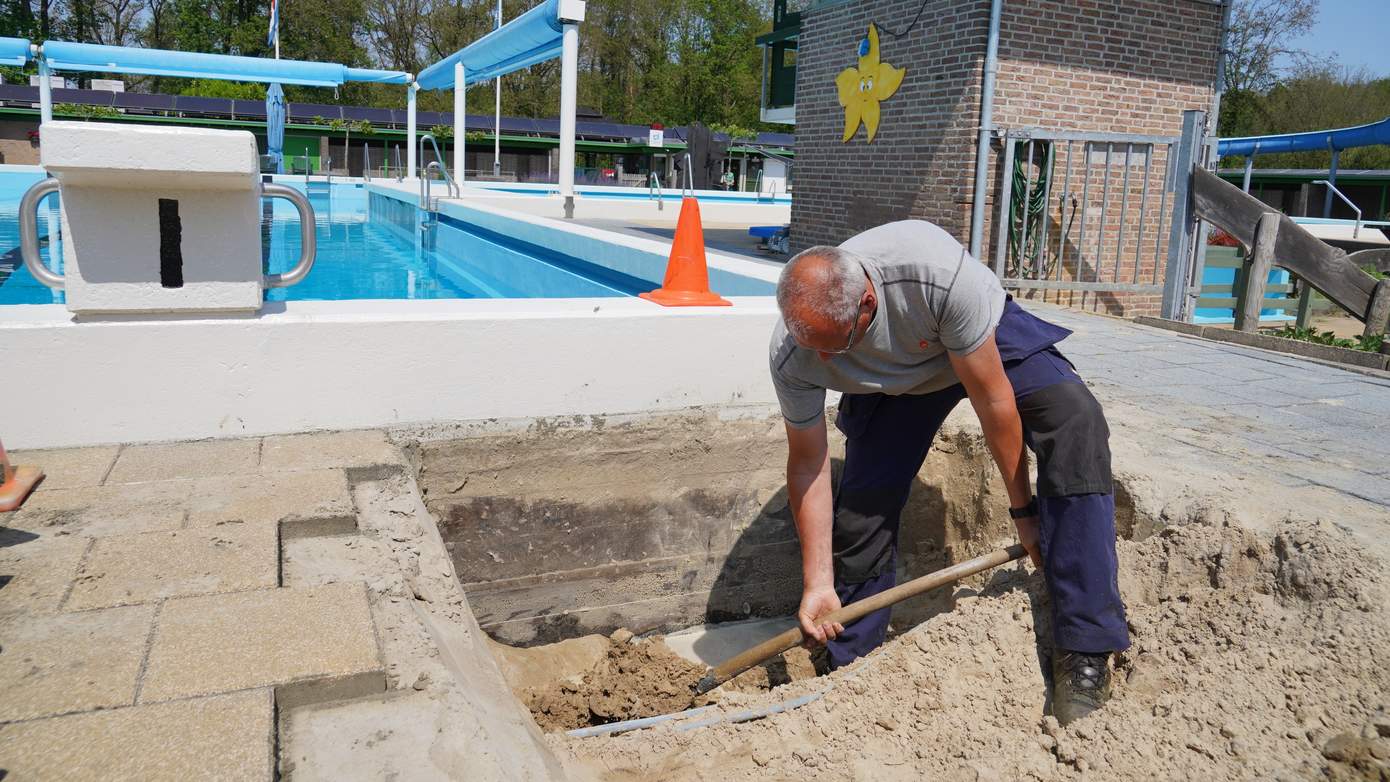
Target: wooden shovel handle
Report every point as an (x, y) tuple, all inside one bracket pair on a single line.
[(781, 643)]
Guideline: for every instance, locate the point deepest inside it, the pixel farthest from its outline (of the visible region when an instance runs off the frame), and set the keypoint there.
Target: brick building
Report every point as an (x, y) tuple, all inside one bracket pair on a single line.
[(1095, 66)]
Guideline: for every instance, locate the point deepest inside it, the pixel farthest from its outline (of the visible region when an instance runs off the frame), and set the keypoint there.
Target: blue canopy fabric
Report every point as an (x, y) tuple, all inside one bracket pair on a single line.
[(67, 56), (526, 40), (275, 125), (377, 77), (1317, 140), (14, 51)]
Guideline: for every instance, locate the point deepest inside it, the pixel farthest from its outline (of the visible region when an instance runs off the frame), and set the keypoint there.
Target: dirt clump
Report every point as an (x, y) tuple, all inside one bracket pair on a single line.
[(1253, 656), (636, 678)]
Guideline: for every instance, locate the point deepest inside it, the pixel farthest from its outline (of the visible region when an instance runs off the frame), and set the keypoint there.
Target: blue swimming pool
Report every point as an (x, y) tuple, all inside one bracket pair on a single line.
[(370, 246)]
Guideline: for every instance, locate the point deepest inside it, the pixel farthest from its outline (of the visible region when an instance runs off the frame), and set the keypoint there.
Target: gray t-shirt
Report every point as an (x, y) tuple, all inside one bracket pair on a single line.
[(933, 297)]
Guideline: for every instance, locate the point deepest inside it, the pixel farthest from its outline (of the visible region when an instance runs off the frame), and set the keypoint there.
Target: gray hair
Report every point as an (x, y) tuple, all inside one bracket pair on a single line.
[(831, 291)]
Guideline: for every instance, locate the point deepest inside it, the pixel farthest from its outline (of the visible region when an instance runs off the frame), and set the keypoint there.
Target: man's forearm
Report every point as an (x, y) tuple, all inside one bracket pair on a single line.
[(1004, 433), (808, 494)]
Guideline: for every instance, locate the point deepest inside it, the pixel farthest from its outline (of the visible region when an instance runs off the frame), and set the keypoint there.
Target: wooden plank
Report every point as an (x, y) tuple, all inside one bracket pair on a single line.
[(1227, 207), (1224, 289), (1229, 302), (1251, 294)]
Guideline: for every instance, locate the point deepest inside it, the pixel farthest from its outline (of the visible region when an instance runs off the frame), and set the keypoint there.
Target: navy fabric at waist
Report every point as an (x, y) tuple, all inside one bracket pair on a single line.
[(1020, 334)]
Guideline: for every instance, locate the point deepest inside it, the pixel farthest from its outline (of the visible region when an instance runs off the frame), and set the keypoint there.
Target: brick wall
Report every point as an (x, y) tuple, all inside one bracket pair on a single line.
[(1116, 66)]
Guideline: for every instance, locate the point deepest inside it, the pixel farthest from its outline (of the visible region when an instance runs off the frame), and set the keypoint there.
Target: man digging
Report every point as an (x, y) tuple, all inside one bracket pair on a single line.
[(906, 324)]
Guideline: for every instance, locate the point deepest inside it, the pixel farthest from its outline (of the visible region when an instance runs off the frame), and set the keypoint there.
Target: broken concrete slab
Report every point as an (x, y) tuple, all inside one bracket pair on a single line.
[(37, 572), (72, 662), (68, 468), (199, 459), (106, 510), (220, 643), (314, 501), (316, 451), (130, 569), (221, 737)]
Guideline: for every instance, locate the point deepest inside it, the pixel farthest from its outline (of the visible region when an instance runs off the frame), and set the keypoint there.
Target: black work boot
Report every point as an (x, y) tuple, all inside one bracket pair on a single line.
[(1080, 684)]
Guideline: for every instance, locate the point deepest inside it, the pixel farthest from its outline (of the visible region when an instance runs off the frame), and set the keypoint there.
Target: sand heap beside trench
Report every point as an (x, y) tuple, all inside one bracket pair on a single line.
[(1253, 657)]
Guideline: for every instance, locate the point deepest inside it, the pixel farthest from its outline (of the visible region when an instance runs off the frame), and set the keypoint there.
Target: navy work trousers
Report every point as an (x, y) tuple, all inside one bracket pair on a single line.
[(887, 438)]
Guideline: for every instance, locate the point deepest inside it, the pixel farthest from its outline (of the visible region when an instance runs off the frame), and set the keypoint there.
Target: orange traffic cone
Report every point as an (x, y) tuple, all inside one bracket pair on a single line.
[(687, 275), (15, 482)]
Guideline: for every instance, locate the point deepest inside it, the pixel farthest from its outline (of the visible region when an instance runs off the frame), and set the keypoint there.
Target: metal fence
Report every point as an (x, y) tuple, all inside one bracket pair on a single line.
[(1084, 211)]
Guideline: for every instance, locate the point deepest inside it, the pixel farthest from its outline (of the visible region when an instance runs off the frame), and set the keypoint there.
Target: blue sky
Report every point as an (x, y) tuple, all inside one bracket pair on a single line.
[(1356, 31)]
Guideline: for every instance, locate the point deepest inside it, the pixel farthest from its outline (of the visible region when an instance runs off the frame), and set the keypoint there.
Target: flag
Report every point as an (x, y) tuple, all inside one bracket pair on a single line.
[(274, 22)]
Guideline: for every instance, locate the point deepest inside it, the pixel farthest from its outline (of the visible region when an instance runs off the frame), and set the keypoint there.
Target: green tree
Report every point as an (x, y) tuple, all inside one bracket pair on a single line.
[(216, 88)]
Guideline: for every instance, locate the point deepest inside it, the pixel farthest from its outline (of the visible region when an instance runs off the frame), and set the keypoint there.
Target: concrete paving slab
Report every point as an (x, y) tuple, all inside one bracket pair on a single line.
[(106, 510), (221, 643), (68, 468), (35, 574), (130, 569), (72, 662), (222, 737), (313, 497), (713, 644), (200, 459), (315, 451)]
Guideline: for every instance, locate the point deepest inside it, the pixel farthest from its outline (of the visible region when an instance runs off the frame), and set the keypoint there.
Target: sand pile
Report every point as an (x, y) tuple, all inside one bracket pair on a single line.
[(1253, 657), (595, 680)]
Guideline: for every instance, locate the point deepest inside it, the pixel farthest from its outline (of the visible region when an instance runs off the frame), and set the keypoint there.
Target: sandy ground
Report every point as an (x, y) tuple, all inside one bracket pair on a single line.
[(1255, 655)]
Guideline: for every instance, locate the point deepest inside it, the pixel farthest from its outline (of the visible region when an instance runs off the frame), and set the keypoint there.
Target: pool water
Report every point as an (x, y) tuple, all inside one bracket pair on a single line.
[(369, 247)]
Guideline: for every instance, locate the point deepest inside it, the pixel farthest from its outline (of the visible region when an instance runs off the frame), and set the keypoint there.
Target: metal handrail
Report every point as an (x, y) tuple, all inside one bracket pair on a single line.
[(400, 171), (687, 179), (427, 184), (1355, 231), (366, 163), (308, 239), (438, 158), (29, 233), (654, 191)]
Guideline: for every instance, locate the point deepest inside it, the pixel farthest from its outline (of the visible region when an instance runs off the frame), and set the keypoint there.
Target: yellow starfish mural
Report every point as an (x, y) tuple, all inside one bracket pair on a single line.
[(862, 88)]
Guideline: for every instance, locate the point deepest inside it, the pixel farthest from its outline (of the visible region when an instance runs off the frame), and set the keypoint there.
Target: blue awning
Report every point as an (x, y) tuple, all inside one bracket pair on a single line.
[(14, 51), (1312, 141), (65, 56), (526, 40), (377, 77)]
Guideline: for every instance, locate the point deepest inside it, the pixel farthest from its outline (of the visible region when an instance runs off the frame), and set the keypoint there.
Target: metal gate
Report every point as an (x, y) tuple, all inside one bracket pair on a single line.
[(1084, 211)]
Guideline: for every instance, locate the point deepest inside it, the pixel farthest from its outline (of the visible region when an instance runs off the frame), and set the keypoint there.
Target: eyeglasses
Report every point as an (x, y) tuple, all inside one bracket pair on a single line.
[(849, 343)]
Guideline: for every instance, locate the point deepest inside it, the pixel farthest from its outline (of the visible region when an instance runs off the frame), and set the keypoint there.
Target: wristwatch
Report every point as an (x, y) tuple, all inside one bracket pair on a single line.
[(1026, 512)]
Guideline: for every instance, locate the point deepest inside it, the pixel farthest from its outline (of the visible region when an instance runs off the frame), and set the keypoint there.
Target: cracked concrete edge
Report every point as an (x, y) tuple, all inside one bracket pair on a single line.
[(320, 690)]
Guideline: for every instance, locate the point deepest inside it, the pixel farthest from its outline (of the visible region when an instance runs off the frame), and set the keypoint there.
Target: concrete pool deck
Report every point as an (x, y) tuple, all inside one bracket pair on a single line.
[(195, 608)]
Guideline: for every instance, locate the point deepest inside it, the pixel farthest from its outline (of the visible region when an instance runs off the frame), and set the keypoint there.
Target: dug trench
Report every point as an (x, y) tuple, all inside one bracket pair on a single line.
[(1257, 652)]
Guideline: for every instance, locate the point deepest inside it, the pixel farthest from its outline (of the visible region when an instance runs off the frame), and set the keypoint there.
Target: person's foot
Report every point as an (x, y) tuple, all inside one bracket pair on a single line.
[(1080, 684)]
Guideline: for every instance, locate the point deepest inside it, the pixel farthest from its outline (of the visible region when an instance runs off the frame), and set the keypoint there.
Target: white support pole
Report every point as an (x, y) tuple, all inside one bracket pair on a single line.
[(410, 128), (569, 84), (497, 115), (45, 92), (460, 128)]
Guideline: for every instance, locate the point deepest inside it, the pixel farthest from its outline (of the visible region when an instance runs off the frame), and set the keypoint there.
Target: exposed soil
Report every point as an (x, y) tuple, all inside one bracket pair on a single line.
[(595, 680), (1254, 656)]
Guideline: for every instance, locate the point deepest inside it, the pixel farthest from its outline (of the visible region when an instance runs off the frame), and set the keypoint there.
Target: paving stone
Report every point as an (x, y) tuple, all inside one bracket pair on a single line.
[(221, 643), (68, 468), (106, 510), (129, 569), (35, 573), (72, 662), (311, 497), (1340, 416), (314, 451), (185, 460), (222, 737)]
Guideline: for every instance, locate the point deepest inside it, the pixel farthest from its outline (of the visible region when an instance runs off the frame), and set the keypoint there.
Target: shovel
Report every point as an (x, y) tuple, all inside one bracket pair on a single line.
[(781, 643)]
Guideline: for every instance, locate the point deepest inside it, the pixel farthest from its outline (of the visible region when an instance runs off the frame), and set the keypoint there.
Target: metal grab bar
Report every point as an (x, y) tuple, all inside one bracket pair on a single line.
[(366, 163), (654, 191), (29, 233), (439, 159), (1355, 231), (687, 179), (308, 239), (427, 184), (400, 171)]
